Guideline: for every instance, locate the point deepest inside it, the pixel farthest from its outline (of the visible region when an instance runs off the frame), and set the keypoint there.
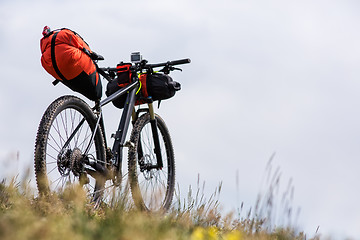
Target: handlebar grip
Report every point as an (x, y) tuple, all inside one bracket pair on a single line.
[(181, 61)]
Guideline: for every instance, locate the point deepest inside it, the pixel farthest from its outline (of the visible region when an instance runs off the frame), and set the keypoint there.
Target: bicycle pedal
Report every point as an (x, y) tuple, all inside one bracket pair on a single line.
[(129, 144)]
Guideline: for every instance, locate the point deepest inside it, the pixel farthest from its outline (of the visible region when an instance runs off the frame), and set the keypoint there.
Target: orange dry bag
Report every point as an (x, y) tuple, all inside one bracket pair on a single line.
[(66, 56)]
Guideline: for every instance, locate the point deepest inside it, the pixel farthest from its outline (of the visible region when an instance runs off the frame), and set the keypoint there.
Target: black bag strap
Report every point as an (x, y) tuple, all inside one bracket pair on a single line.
[(103, 73), (53, 59), (56, 81)]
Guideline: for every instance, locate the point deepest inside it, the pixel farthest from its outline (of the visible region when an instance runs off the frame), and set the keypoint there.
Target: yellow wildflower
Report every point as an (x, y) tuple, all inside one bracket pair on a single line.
[(213, 233), (233, 235), (198, 234)]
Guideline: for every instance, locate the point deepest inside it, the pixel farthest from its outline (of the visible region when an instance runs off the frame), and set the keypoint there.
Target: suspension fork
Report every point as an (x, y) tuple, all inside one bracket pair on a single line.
[(135, 116), (155, 133), (153, 123)]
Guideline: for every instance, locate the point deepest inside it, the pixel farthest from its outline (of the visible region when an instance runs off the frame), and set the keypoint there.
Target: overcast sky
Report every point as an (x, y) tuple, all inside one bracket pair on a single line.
[(279, 76)]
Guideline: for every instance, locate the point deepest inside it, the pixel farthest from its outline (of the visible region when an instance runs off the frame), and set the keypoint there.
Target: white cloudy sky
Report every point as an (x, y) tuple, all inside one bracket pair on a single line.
[(279, 76)]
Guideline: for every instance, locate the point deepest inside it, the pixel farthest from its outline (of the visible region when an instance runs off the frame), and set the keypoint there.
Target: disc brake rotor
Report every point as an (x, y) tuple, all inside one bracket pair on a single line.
[(146, 162)]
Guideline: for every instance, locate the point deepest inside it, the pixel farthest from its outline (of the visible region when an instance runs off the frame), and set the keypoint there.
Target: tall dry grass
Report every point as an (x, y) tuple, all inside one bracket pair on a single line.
[(69, 215)]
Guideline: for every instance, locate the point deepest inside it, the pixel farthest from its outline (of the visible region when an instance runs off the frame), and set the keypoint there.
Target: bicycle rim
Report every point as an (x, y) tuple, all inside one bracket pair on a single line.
[(151, 189)]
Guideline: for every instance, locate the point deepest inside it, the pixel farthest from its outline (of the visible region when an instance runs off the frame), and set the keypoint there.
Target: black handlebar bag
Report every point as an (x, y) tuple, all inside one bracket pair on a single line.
[(156, 85), (161, 86)]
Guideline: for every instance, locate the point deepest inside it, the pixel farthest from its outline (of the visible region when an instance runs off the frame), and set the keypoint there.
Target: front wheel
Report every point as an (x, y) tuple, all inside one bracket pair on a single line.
[(152, 188)]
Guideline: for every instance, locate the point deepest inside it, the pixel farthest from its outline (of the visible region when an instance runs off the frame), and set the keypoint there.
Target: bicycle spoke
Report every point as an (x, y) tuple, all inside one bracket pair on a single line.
[(63, 123), (79, 131), (53, 148), (52, 169), (87, 136), (57, 129), (72, 118), (48, 155), (54, 140)]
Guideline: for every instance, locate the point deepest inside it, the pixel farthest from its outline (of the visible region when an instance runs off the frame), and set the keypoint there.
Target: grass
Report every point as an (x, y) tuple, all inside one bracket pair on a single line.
[(68, 215)]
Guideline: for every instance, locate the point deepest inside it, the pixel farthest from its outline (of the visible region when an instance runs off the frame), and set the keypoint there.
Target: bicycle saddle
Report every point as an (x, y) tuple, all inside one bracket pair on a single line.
[(95, 56)]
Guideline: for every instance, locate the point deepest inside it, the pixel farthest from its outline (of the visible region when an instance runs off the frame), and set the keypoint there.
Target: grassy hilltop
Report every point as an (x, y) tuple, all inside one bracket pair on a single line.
[(68, 215)]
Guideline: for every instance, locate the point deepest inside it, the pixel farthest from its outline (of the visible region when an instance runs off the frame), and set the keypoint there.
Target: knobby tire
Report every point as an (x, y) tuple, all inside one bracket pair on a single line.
[(152, 190)]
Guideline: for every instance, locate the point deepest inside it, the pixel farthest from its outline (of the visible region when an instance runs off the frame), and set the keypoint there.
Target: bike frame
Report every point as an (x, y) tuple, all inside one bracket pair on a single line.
[(120, 134), (127, 114)]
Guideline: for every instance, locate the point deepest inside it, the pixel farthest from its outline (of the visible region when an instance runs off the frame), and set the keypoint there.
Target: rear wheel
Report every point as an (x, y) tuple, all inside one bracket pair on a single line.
[(152, 189), (60, 153)]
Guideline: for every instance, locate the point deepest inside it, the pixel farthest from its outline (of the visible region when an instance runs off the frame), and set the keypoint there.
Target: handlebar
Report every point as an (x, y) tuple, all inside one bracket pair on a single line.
[(171, 63), (145, 65)]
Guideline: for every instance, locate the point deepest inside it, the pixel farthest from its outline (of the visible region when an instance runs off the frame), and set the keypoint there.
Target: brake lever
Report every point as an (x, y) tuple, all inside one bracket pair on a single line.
[(167, 69), (174, 68)]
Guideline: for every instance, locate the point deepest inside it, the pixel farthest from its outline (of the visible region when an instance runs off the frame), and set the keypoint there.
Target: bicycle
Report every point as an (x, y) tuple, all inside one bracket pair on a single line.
[(71, 145)]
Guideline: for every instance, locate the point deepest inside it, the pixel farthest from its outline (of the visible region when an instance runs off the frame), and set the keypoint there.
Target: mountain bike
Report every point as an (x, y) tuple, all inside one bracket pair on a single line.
[(71, 145)]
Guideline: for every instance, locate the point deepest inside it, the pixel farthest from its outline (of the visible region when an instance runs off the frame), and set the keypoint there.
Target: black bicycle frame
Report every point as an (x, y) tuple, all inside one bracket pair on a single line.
[(120, 134), (116, 160)]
